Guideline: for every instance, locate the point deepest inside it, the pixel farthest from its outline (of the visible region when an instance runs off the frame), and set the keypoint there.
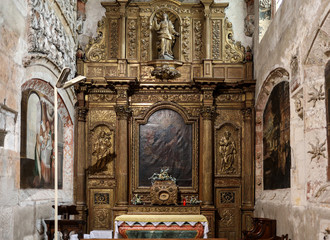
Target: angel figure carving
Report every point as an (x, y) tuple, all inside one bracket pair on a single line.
[(166, 35)]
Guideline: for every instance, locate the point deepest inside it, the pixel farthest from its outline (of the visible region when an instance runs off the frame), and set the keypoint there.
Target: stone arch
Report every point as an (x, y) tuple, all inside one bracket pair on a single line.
[(275, 77)]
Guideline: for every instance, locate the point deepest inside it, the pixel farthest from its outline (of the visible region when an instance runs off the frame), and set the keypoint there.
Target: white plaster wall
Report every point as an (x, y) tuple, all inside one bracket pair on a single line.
[(21, 210), (94, 13), (236, 12), (303, 211)]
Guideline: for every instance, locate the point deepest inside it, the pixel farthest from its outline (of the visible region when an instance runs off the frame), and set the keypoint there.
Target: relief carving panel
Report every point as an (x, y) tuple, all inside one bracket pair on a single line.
[(101, 151), (227, 150)]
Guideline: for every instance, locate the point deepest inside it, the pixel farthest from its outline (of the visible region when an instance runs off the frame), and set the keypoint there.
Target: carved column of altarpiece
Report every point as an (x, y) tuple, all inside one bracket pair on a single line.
[(201, 90)]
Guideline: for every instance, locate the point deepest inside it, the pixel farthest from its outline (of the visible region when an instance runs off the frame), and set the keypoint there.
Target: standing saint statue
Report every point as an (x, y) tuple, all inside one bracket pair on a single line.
[(228, 153), (166, 35)]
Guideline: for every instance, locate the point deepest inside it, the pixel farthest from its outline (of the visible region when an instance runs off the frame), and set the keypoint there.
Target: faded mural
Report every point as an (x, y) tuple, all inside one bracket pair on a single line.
[(276, 138), (37, 166), (165, 141)]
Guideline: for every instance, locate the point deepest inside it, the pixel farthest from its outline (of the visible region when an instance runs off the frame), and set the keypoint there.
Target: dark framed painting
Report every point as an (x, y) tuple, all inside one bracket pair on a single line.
[(37, 142), (165, 141), (276, 139)]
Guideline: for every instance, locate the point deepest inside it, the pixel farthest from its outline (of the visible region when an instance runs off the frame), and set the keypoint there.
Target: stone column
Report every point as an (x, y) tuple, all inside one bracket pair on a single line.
[(207, 63), (207, 156), (80, 163)]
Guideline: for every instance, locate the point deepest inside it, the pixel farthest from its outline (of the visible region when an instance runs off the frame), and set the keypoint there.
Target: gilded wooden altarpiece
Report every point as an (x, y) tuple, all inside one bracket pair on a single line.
[(201, 79)]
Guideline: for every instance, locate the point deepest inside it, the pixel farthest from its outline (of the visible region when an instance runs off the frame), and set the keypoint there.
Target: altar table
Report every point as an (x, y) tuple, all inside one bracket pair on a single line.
[(161, 226)]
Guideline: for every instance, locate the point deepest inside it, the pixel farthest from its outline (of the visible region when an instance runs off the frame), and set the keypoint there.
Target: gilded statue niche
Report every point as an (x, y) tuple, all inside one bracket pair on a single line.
[(101, 148), (227, 150), (165, 137)]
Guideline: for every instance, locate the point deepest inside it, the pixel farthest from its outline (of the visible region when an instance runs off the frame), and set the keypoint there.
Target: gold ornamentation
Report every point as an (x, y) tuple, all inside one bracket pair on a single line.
[(227, 197), (218, 10), (82, 112), (102, 140), (101, 183), (101, 198), (145, 34), (164, 193), (166, 97), (228, 153), (198, 30), (101, 218), (123, 112), (229, 97), (185, 38), (216, 37), (227, 218), (108, 116), (132, 37), (114, 38), (164, 209), (165, 72), (316, 95), (193, 111), (247, 113), (234, 51), (95, 50), (207, 112), (220, 182), (103, 97)]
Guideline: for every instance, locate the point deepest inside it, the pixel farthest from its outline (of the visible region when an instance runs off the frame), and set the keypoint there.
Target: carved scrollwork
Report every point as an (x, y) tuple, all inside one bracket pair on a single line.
[(227, 197), (101, 218), (95, 50), (101, 183), (216, 37), (145, 34), (207, 112), (82, 112), (198, 30), (114, 45), (234, 51), (132, 37), (101, 198), (166, 97), (123, 112), (227, 218), (185, 38), (102, 97), (103, 116)]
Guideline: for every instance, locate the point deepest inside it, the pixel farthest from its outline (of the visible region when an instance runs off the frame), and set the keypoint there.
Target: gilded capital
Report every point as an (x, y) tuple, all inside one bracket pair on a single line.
[(82, 112), (247, 113), (123, 112), (207, 112)]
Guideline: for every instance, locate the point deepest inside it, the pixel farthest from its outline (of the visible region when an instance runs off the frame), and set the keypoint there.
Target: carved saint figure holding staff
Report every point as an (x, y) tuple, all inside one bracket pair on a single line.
[(166, 35)]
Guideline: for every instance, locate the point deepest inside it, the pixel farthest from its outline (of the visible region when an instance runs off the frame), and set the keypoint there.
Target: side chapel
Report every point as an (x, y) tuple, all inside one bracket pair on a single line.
[(167, 86)]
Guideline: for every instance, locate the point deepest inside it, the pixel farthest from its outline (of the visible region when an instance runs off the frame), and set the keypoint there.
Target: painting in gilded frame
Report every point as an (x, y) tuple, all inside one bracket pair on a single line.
[(165, 141)]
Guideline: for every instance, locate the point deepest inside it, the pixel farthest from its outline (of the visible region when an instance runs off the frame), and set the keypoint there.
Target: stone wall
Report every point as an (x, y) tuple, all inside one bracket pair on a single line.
[(295, 48), (34, 44)]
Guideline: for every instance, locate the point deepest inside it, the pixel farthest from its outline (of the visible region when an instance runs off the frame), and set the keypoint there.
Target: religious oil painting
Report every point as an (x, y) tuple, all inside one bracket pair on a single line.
[(165, 141), (38, 160), (276, 139)]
